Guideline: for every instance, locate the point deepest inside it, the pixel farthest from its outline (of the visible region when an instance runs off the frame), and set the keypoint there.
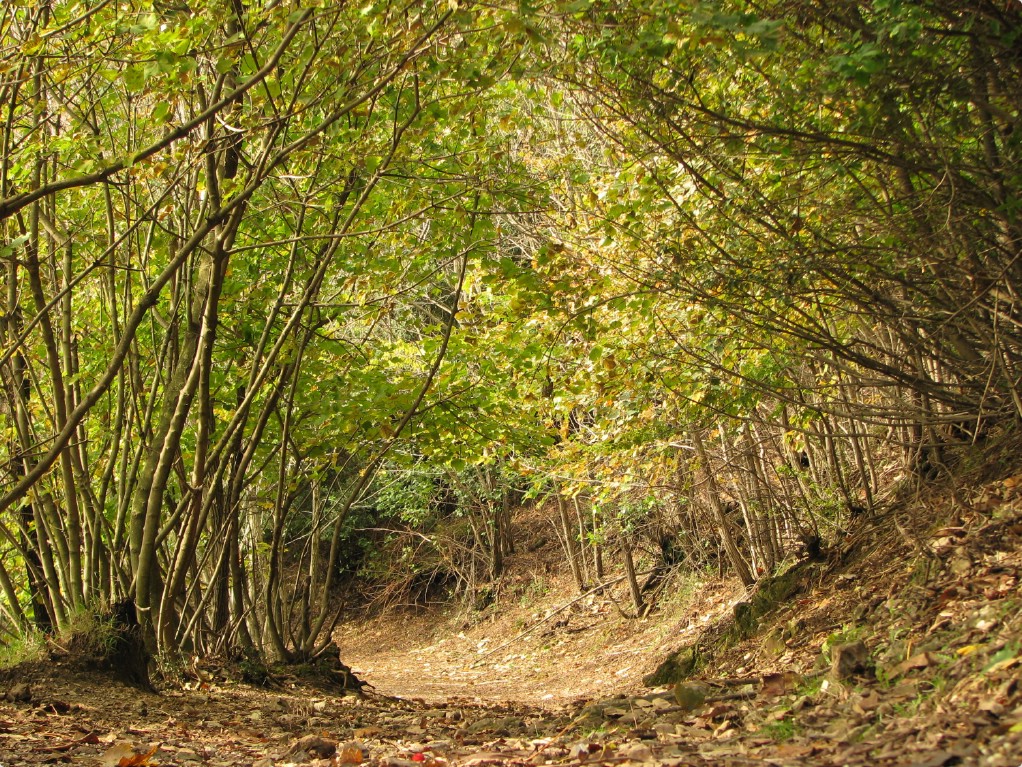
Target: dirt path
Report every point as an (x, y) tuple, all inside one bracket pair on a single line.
[(940, 686), (537, 642), (512, 654)]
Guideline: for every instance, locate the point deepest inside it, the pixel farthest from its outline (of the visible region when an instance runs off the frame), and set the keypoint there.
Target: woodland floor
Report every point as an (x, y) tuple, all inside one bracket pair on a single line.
[(938, 608)]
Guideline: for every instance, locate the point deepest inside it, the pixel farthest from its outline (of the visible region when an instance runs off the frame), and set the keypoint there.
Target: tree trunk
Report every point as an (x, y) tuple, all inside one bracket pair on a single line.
[(633, 584), (570, 545), (735, 557)]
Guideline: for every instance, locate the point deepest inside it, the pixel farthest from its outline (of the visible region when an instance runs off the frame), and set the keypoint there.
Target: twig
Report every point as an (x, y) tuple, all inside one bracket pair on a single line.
[(732, 681)]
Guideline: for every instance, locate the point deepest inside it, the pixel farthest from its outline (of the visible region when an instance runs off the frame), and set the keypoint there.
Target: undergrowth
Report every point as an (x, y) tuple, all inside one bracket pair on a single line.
[(22, 649)]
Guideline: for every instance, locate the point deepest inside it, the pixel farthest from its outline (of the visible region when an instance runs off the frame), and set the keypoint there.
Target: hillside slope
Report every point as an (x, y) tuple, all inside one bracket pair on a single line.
[(936, 605)]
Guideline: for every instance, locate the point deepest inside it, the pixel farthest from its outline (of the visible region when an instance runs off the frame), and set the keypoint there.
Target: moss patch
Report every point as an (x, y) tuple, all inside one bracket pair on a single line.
[(676, 667)]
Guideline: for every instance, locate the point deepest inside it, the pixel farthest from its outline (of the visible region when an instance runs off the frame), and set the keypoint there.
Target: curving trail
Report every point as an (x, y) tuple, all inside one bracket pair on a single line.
[(587, 651), (945, 690)]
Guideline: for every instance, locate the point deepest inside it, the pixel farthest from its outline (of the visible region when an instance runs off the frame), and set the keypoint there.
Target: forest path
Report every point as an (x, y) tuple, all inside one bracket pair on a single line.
[(535, 650), (945, 643), (539, 640)]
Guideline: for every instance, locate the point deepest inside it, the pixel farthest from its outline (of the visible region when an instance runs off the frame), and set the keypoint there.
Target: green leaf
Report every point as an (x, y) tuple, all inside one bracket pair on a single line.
[(13, 245), (134, 79), (161, 111)]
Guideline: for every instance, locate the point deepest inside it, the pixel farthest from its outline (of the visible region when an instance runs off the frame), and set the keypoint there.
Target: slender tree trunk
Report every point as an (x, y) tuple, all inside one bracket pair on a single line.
[(735, 557), (570, 545), (633, 583)]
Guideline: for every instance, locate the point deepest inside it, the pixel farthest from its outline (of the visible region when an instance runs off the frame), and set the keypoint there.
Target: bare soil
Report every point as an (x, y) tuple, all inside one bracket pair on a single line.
[(532, 645)]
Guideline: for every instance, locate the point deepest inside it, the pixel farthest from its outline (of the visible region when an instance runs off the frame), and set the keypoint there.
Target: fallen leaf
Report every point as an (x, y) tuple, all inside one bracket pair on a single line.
[(1001, 665), (725, 731), (718, 711), (352, 753), (60, 748), (795, 750), (865, 703), (90, 738), (637, 752), (314, 745), (113, 755), (124, 755), (483, 758), (991, 706), (919, 660), (775, 685), (582, 750)]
